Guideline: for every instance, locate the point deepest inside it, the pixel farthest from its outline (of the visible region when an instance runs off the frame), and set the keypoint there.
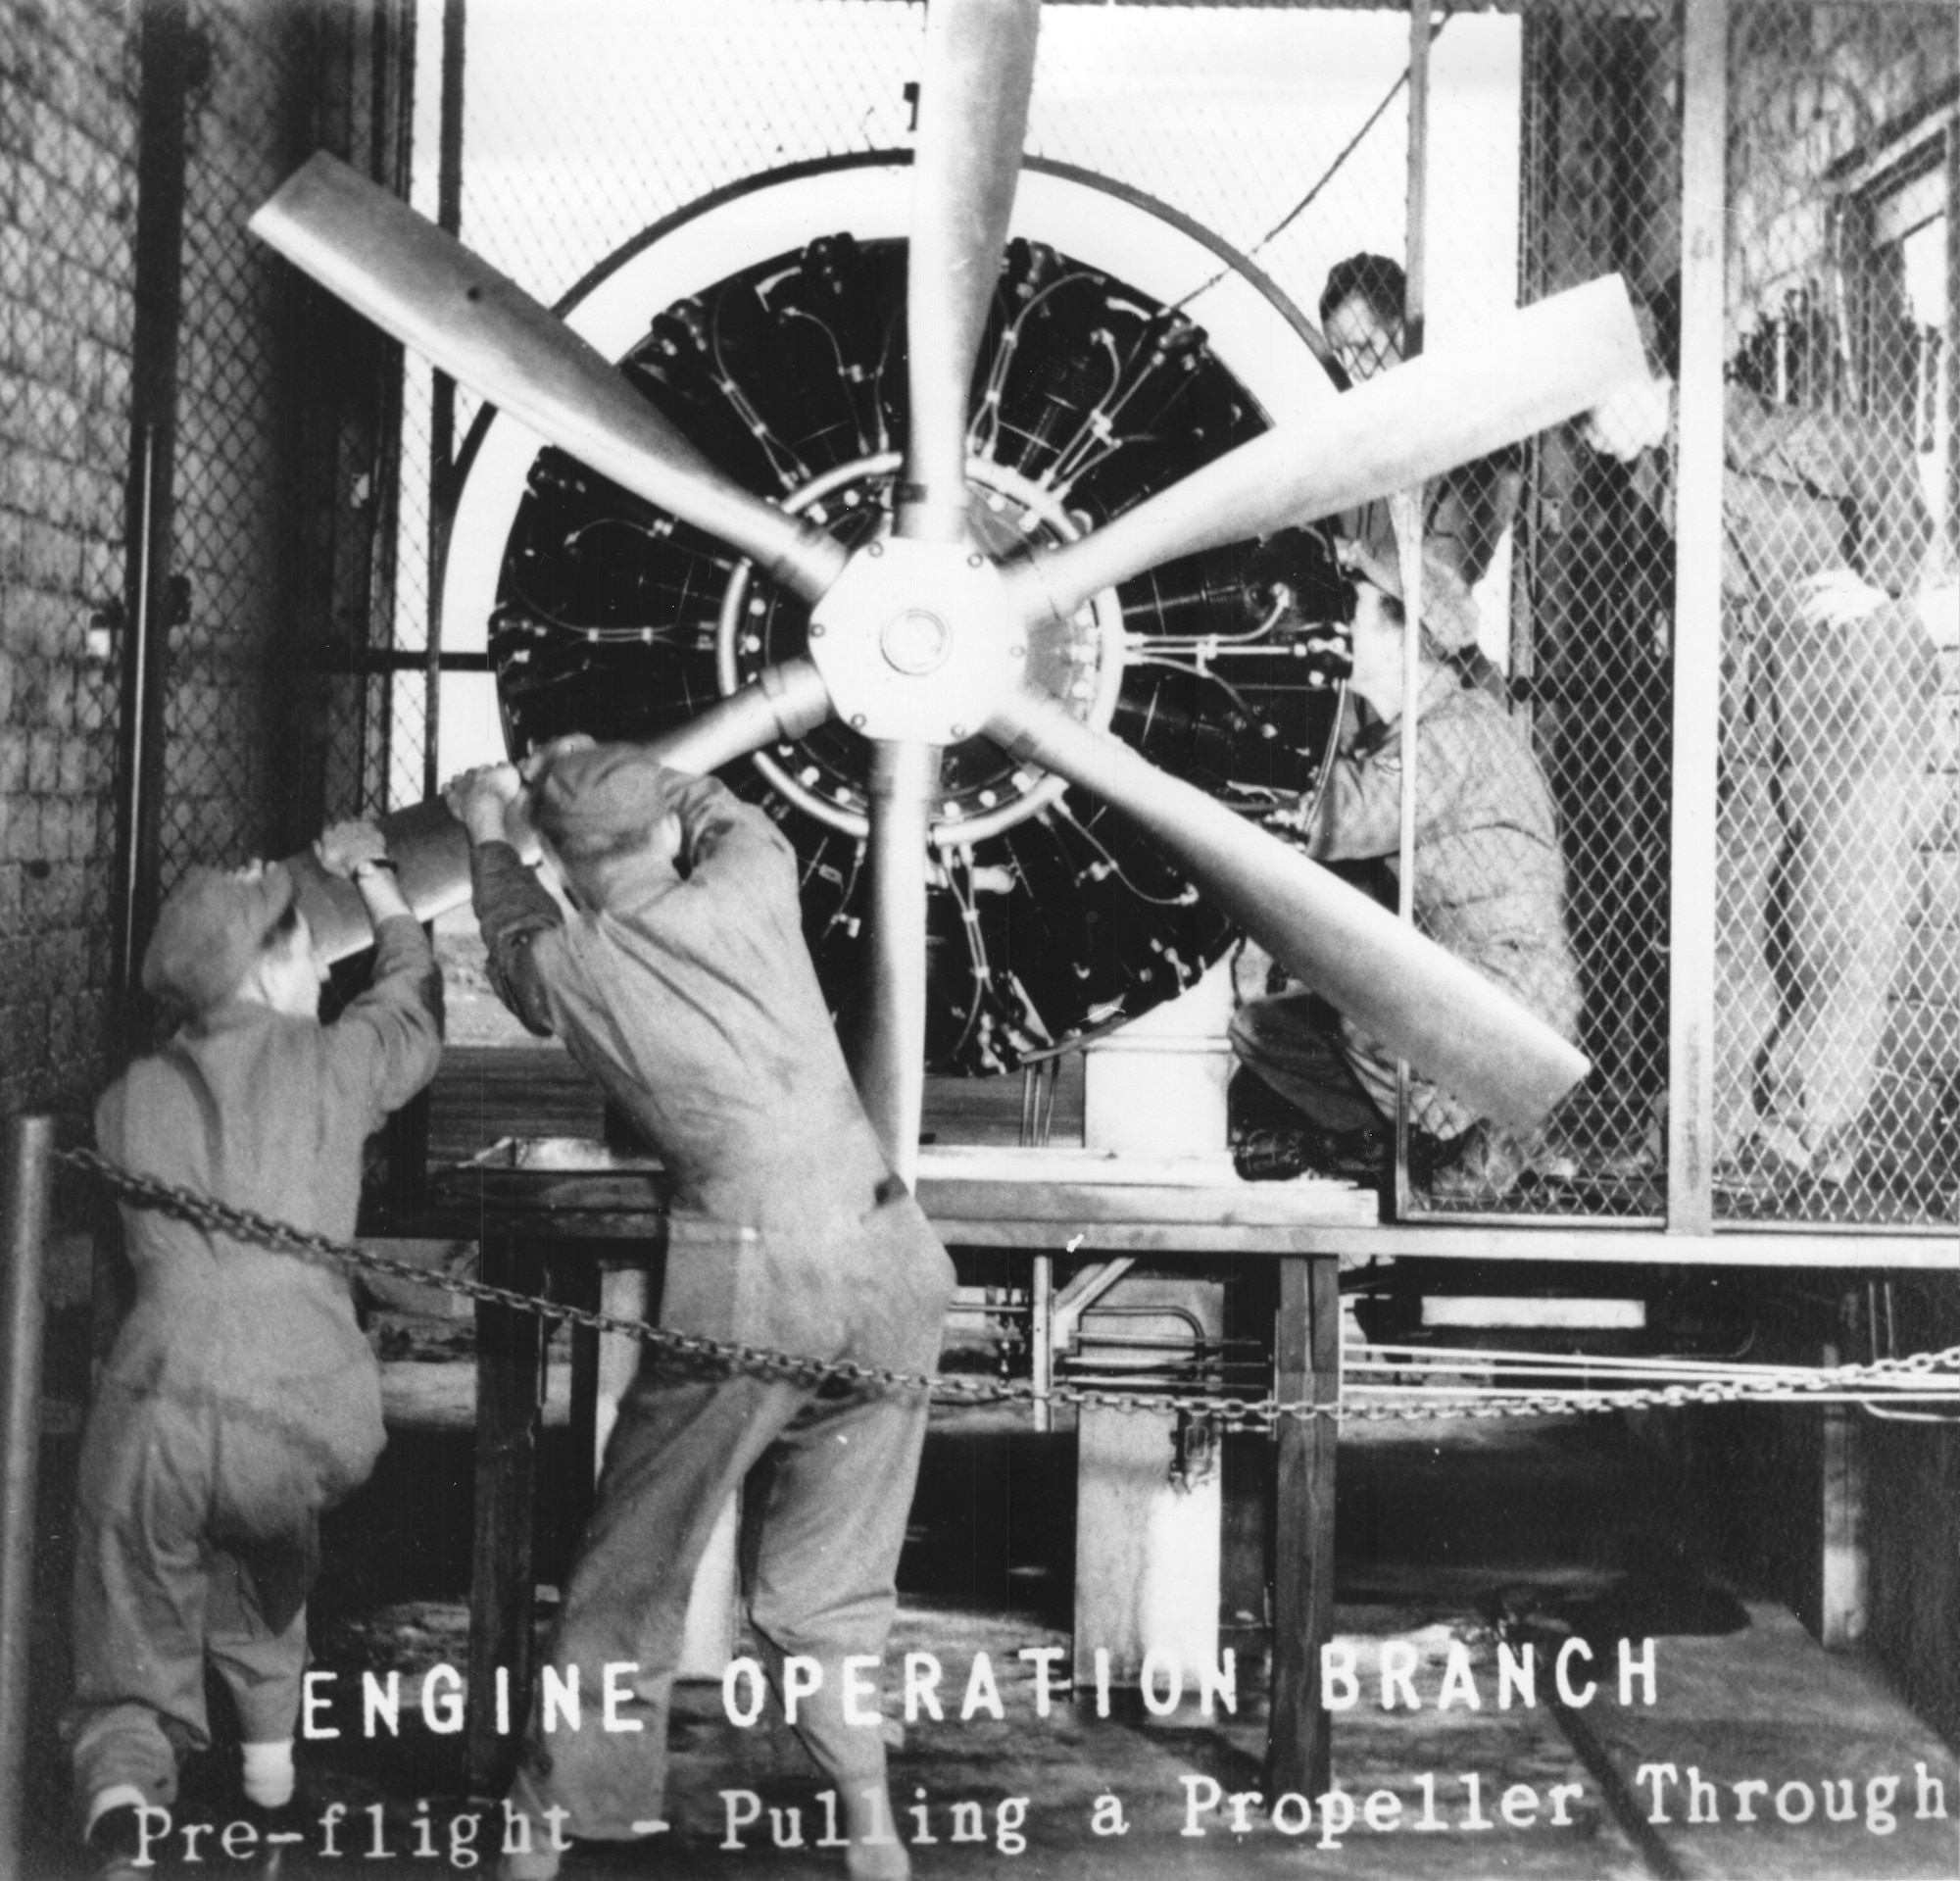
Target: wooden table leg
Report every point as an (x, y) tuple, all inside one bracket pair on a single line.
[(1307, 1338), (510, 1353)]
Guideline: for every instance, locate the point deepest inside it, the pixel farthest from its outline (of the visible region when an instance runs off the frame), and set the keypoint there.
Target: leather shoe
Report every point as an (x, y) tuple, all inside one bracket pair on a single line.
[(1278, 1155), (1486, 1163)]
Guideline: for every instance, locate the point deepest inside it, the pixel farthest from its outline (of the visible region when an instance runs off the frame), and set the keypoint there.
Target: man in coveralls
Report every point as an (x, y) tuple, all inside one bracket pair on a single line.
[(1465, 510), (1830, 688), (1490, 886), (682, 984), (241, 1397)]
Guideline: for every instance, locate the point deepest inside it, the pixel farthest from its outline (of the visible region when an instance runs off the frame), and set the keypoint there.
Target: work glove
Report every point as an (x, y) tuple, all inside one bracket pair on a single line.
[(1836, 598), (1633, 420)]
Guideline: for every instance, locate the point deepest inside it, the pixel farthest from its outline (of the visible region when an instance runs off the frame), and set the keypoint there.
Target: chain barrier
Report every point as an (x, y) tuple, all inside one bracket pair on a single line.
[(205, 1212)]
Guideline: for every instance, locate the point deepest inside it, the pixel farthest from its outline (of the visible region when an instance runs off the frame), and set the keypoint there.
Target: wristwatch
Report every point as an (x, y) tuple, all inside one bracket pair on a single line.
[(373, 862)]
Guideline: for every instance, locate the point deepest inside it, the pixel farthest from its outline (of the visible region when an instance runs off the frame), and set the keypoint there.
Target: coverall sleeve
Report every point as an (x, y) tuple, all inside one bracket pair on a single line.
[(1362, 808), (1472, 509), (389, 1039), (513, 909)]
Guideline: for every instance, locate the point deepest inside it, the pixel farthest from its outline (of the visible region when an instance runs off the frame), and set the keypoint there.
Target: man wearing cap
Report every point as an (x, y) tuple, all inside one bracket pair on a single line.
[(681, 982), (1465, 510), (1828, 735), (1490, 886), (241, 1398)]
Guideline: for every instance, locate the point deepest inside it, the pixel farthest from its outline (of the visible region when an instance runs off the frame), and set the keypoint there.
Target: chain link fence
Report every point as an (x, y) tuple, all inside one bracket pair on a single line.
[(1838, 955), (1591, 597), (230, 604), (284, 462), (1553, 154)]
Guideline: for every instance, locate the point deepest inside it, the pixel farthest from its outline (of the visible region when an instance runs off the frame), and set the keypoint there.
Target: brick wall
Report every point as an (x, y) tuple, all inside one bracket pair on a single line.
[(67, 191), (268, 78)]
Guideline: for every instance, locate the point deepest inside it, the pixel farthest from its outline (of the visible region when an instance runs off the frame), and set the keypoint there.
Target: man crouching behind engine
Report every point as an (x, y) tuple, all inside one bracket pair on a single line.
[(682, 984)]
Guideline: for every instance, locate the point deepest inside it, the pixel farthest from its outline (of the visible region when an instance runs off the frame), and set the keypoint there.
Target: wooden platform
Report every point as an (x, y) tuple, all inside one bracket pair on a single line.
[(484, 1094)]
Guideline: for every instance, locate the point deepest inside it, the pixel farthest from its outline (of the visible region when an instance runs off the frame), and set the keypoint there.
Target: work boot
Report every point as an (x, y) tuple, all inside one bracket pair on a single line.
[(113, 1844), (1770, 1165), (1278, 1155), (1491, 1163), (1274, 1156)]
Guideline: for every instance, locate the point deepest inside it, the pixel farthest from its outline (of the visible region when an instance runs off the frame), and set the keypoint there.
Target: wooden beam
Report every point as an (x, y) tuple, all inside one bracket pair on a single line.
[(1569, 1243), (1307, 1365)]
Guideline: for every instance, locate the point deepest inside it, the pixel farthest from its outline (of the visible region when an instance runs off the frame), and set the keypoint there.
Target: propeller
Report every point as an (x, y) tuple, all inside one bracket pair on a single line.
[(431, 293), (918, 642), (973, 113), (888, 1052), (432, 852), (1421, 1001), (1523, 371)]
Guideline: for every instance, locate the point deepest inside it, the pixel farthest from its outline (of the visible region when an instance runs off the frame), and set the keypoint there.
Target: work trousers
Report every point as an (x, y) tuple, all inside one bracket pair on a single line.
[(1343, 1079), (164, 1581), (829, 1475), (1826, 739)]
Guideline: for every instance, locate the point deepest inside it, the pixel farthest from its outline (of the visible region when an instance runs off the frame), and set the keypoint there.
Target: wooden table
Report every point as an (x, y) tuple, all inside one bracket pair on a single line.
[(592, 1226)]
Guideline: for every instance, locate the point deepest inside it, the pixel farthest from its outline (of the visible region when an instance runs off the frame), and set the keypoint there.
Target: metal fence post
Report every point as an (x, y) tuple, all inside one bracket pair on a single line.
[(24, 1183), (1698, 637)]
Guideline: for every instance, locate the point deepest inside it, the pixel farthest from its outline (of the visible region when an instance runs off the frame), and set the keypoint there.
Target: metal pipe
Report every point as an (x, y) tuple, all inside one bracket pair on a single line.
[(1407, 508), (1041, 1340), (442, 390), (24, 1229)]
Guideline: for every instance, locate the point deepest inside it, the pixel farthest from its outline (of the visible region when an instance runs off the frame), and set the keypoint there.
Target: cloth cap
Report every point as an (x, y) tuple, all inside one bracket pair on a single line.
[(598, 806), (600, 797), (210, 932), (1449, 609)]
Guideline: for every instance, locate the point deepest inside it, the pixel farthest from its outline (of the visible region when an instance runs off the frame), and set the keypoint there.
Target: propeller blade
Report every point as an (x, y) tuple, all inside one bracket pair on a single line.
[(431, 293), (432, 852), (781, 703), (888, 1052), (1529, 369), (973, 114), (1451, 1024)]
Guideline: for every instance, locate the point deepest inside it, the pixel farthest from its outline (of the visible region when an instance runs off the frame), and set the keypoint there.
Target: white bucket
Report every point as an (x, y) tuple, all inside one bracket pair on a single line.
[(1156, 1087)]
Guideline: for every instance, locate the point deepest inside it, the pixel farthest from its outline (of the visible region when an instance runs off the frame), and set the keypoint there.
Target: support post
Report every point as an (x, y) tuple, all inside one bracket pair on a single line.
[(1041, 1339), (1698, 632), (1405, 513), (23, 1230), (510, 1371), (1307, 1365), (442, 388)]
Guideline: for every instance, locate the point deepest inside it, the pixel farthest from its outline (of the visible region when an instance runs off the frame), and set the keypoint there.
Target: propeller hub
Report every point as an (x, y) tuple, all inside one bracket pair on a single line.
[(915, 641), (983, 790)]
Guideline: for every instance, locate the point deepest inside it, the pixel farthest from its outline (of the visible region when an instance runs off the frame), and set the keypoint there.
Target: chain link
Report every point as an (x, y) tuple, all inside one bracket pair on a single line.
[(1234, 1413)]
